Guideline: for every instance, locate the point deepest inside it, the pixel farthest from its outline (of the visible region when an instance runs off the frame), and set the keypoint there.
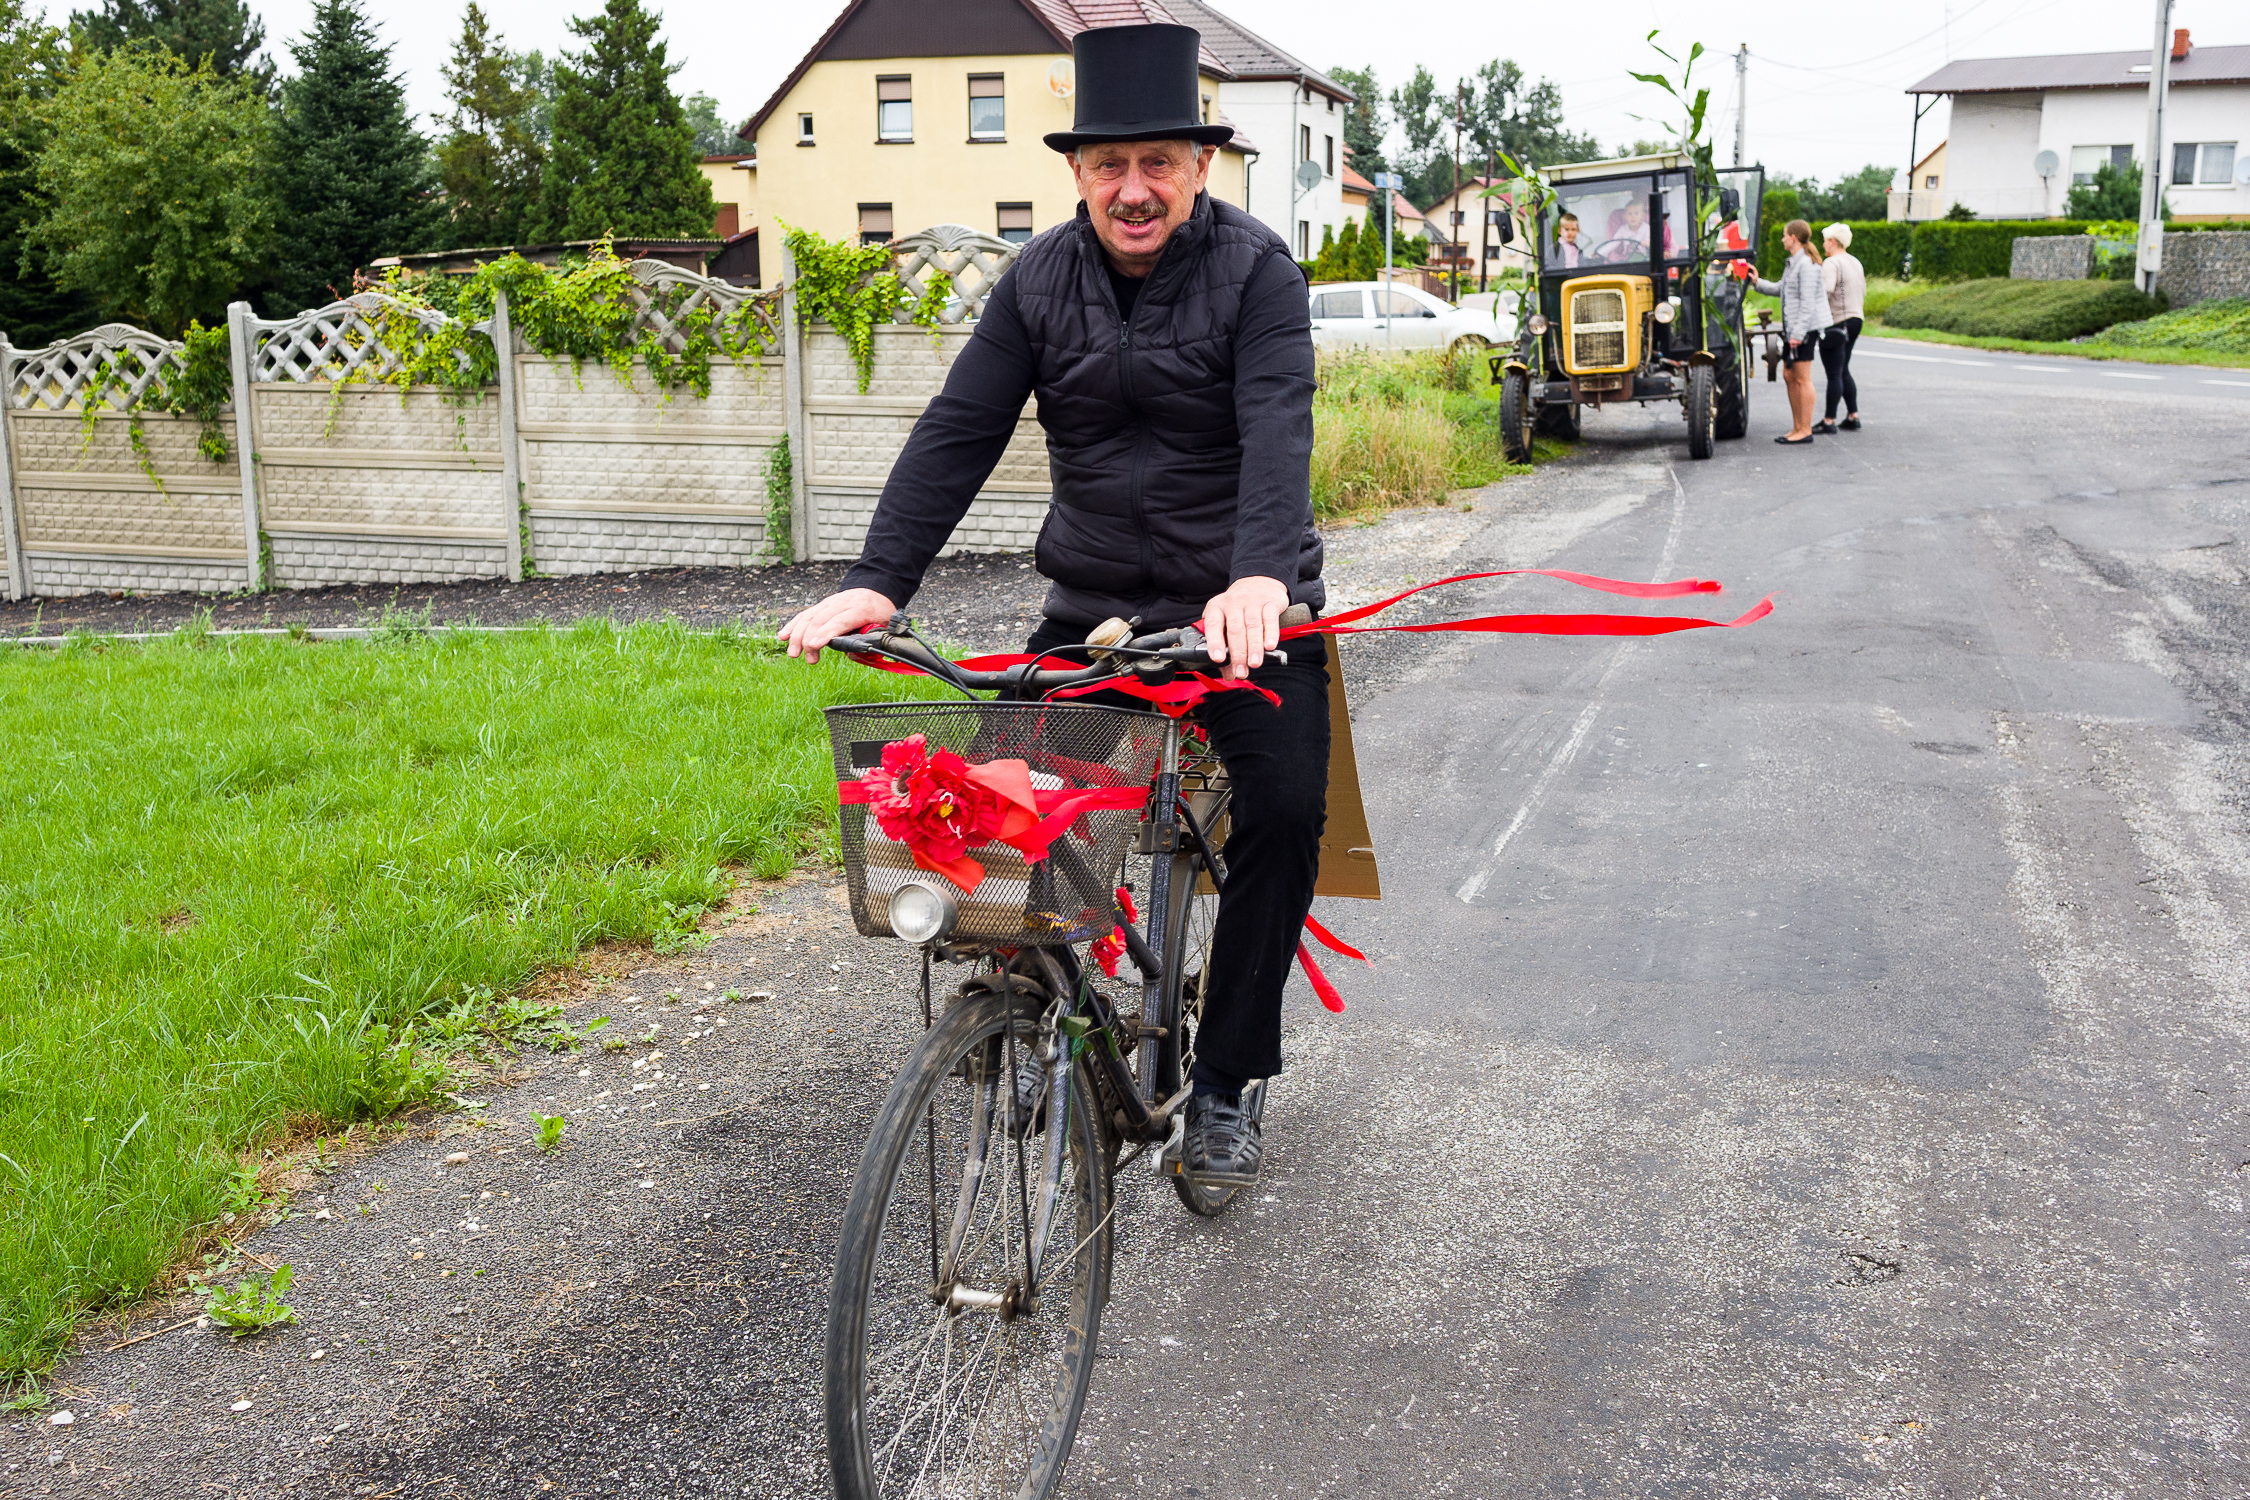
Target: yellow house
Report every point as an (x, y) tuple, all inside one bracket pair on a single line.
[(734, 188), (908, 114)]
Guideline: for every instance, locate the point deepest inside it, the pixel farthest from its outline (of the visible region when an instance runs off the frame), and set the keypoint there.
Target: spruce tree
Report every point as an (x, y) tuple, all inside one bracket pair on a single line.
[(351, 174), (223, 30), (489, 160), (623, 160), (33, 309)]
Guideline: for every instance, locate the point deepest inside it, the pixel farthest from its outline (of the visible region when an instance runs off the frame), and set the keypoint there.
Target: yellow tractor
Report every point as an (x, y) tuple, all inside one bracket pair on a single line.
[(1637, 300)]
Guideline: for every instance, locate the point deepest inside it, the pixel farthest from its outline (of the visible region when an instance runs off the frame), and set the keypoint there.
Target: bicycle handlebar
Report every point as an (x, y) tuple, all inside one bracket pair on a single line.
[(1183, 646)]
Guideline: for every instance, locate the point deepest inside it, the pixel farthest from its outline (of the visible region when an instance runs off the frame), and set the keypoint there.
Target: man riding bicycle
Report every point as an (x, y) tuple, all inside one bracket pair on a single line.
[(1167, 338)]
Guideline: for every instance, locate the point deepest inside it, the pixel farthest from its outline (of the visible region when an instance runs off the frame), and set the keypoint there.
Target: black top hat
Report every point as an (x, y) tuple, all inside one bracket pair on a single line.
[(1137, 83)]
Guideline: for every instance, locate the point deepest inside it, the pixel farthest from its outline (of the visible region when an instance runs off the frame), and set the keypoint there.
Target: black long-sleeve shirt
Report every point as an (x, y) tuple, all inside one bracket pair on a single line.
[(962, 434)]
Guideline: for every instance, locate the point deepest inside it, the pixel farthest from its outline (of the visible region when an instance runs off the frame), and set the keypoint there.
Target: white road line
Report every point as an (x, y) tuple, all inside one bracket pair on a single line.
[(2126, 375), (1473, 887), (2227, 382), (1924, 359), (2044, 369)]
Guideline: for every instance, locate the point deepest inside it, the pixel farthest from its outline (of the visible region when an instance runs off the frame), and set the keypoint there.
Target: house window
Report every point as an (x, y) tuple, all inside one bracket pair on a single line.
[(1930, 181), (1206, 109), (874, 223), (1304, 143), (1304, 239), (988, 107), (2085, 161), (894, 109), (1459, 217), (1015, 222), (1331, 148), (2204, 162), (804, 130)]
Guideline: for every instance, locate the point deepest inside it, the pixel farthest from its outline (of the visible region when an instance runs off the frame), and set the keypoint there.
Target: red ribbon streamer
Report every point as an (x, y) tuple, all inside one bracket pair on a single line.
[(1320, 982)]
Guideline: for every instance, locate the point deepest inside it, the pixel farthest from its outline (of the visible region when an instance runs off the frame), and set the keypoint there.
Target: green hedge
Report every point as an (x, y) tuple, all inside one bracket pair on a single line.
[(1943, 249), (1997, 308)]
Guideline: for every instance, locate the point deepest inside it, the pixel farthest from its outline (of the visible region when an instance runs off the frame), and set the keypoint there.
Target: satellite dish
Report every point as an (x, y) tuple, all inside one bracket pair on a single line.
[(2046, 164), (1308, 175)]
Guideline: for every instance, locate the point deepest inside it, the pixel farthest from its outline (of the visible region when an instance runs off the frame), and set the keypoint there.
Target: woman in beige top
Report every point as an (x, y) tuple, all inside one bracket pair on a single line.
[(1847, 302)]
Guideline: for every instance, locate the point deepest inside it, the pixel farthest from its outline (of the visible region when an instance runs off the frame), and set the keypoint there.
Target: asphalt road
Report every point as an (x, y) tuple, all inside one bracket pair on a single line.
[(1800, 1060)]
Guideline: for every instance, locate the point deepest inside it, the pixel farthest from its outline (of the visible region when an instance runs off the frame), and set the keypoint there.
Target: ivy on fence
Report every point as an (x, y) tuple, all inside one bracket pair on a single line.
[(853, 288), (191, 381)]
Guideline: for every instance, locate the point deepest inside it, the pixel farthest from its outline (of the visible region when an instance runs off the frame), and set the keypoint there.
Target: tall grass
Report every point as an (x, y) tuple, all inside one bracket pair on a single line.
[(1393, 430), (232, 873)]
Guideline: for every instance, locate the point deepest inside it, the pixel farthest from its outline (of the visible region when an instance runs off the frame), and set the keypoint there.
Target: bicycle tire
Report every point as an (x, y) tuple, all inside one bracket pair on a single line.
[(910, 1437)]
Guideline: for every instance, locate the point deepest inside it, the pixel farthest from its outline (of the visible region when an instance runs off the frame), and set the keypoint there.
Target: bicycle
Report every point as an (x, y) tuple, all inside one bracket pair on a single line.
[(976, 1248)]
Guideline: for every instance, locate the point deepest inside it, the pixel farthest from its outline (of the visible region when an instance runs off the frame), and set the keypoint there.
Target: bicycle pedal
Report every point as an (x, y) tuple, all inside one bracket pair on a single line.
[(1169, 1159)]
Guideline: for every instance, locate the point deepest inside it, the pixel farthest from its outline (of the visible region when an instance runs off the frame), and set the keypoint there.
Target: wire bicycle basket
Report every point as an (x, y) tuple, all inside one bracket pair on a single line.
[(1020, 901)]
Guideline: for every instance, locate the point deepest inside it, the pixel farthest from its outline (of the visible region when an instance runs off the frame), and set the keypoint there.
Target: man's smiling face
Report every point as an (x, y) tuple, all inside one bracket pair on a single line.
[(1138, 192)]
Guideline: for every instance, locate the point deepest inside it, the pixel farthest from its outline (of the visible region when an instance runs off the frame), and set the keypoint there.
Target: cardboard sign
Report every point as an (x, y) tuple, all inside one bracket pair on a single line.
[(1347, 850)]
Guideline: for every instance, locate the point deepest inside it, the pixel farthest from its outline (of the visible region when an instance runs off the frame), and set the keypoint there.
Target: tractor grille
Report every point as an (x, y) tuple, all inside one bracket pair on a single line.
[(1597, 329), (1598, 307), (1592, 350)]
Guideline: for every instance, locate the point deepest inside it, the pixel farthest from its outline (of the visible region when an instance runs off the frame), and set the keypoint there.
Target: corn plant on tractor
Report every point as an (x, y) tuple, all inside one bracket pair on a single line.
[(1637, 300)]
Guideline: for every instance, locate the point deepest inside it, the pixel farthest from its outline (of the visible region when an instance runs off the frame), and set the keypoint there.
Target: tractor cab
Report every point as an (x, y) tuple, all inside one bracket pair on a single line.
[(1637, 293)]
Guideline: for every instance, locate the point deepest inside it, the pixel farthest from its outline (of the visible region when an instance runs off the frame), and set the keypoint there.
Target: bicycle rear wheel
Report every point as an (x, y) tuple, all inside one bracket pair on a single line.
[(972, 1268), (1187, 953)]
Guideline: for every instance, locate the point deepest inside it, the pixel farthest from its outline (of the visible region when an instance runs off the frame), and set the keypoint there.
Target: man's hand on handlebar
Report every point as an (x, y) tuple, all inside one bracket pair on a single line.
[(1241, 625), (846, 613)]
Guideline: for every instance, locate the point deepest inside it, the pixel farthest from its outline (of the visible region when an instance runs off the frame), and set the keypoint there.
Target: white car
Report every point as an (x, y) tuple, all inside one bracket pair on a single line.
[(1381, 315)]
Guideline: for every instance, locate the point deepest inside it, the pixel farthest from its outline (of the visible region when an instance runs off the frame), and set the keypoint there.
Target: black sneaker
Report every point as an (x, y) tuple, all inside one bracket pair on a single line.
[(1220, 1147)]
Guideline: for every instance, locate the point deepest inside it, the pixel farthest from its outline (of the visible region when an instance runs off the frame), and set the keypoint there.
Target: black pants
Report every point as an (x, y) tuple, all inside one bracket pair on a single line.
[(1277, 760), (1836, 347)]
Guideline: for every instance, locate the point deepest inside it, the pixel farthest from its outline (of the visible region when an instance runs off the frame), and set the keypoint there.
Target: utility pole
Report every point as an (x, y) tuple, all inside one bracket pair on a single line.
[(1459, 222), (1484, 246), (2150, 256), (1741, 96)]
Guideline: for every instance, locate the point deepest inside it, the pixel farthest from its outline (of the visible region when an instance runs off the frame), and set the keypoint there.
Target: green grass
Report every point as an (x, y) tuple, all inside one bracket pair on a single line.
[(233, 874), (2089, 349), (1392, 430), (2217, 327), (2038, 311)]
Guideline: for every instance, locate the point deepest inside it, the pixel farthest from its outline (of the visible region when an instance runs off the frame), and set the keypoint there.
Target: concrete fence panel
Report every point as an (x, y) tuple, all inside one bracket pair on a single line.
[(87, 511), (852, 437), (620, 475), (362, 481)]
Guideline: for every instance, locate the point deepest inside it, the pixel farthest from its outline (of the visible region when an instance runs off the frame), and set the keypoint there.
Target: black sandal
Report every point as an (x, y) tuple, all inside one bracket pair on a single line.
[(1824, 427), (1851, 424), (1794, 442)]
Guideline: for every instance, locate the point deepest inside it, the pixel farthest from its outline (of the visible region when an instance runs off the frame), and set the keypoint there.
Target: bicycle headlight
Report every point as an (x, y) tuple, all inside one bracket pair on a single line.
[(1664, 312), (1537, 323), (922, 913)]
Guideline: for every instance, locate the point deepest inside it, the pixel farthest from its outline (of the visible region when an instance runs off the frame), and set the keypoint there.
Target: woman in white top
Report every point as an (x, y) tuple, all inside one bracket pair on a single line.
[(1804, 314), (1847, 302)]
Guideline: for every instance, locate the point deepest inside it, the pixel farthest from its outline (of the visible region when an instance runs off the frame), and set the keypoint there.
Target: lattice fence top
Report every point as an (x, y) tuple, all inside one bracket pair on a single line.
[(668, 294), (116, 362), (973, 259), (342, 341)]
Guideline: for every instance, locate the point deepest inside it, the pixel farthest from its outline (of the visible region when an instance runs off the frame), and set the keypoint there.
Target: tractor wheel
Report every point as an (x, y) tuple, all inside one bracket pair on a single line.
[(1516, 417), (1700, 401), (1732, 372)]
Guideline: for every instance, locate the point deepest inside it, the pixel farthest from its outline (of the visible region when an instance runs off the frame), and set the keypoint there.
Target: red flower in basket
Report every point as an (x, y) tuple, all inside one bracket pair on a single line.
[(940, 806)]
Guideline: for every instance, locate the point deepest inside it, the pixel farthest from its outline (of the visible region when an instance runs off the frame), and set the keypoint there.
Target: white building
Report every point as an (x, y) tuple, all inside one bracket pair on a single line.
[(1295, 114), (2087, 108)]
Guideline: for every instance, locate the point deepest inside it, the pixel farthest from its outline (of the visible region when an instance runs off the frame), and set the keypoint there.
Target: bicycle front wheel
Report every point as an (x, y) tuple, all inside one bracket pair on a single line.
[(973, 1265)]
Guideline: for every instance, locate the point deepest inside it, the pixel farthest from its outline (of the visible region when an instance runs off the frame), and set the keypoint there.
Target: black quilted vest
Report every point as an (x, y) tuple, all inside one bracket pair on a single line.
[(1140, 420)]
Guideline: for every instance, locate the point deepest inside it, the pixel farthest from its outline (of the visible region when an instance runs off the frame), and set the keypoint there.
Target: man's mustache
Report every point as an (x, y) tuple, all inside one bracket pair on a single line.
[(1136, 213)]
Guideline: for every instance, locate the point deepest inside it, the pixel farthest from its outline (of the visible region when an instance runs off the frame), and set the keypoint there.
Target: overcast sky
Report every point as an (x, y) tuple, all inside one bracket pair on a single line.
[(1825, 78)]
